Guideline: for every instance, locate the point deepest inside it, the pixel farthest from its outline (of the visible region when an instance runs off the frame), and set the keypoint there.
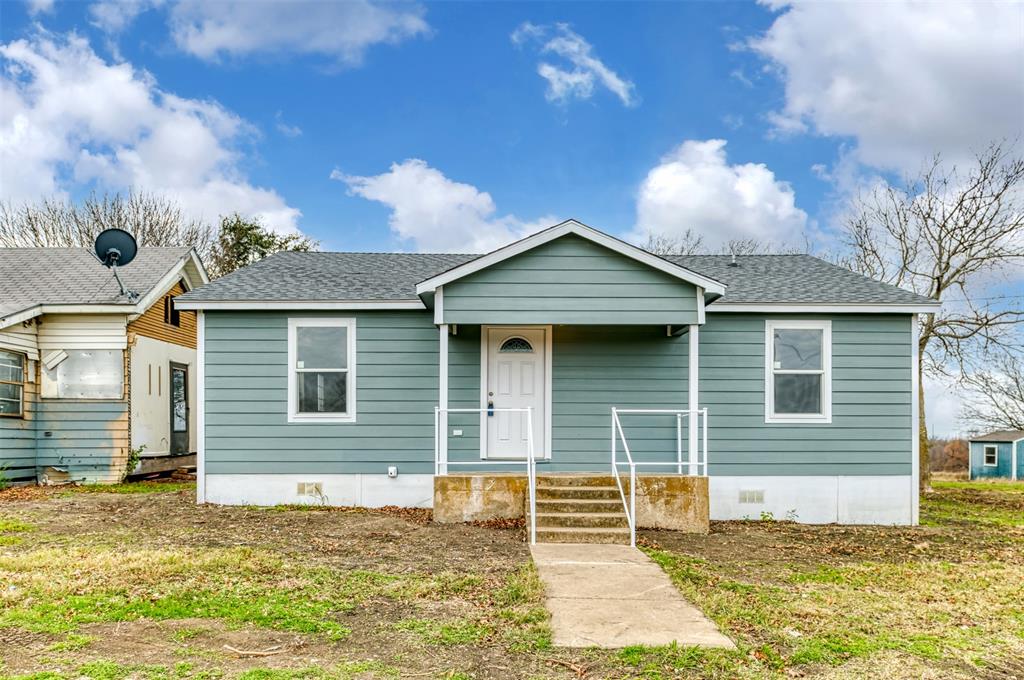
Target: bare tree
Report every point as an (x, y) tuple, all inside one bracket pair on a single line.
[(152, 219), (942, 235), (693, 243), (687, 243), (996, 397)]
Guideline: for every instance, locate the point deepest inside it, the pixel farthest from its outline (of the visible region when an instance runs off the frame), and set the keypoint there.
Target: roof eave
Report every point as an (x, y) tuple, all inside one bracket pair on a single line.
[(826, 308), (240, 305)]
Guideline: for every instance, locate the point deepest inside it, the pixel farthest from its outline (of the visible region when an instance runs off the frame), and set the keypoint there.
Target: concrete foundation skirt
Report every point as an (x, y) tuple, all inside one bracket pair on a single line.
[(676, 502)]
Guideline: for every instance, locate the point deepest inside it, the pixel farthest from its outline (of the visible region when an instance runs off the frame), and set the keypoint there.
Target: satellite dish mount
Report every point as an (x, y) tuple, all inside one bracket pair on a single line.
[(114, 248)]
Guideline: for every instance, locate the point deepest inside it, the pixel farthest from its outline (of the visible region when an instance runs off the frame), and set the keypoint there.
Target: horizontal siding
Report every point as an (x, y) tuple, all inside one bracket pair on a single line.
[(21, 338), (596, 368), (593, 369), (89, 439), (1004, 467), (570, 281), (151, 323), (246, 398), (870, 433), (83, 331), (18, 441)]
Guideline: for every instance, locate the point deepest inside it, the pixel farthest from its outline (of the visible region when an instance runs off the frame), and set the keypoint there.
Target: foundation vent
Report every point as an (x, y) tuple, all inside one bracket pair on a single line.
[(751, 495), (310, 489)]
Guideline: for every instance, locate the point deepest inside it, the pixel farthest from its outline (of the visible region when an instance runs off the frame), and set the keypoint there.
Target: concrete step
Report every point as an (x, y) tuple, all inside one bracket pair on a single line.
[(577, 492), (579, 505), (557, 520), (545, 480), (583, 535)]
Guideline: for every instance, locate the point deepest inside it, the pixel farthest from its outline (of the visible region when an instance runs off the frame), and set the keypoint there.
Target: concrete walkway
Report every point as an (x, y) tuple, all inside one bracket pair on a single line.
[(616, 596)]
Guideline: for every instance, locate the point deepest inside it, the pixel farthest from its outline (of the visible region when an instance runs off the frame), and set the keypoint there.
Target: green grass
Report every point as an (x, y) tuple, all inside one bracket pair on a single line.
[(982, 485), (783, 615), (60, 590), (454, 632), (9, 530)]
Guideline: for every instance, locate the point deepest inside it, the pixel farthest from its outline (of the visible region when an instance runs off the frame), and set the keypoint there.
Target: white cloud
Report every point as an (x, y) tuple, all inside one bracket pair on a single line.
[(435, 213), (70, 119), (906, 80), (340, 30), (586, 70), (113, 16), (39, 6), (694, 187), (284, 128)]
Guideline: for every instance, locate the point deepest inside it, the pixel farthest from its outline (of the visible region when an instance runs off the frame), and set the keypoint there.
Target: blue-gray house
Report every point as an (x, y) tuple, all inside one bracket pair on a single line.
[(997, 455), (787, 385)]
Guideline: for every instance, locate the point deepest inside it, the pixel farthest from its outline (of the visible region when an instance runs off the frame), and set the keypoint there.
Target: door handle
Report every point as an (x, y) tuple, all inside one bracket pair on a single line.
[(490, 409)]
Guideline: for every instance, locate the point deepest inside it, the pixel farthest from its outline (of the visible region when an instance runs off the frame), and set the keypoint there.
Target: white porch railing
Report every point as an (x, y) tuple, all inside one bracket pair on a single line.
[(694, 462), (441, 461)]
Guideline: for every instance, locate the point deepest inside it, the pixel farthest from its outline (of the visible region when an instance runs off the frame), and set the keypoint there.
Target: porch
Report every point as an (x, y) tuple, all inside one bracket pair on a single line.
[(580, 429)]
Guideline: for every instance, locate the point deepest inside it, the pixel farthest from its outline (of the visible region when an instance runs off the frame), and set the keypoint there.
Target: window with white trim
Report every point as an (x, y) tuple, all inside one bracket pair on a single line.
[(12, 384), (991, 455), (798, 371), (322, 370)]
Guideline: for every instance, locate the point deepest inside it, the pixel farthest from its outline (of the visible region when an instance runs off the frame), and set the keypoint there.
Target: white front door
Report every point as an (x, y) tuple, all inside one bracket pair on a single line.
[(516, 378)]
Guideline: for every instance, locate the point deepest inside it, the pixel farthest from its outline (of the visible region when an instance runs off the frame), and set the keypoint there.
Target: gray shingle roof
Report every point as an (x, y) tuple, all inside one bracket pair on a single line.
[(393, 276), (794, 279), (73, 276), (1000, 436)]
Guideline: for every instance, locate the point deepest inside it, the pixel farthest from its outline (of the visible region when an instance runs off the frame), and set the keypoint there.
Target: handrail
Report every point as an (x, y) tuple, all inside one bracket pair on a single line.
[(631, 508), (692, 467), (441, 468)]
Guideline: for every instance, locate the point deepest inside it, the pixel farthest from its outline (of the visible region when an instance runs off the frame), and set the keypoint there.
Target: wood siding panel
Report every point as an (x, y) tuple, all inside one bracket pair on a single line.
[(570, 281), (246, 398), (82, 331), (21, 338), (89, 439), (870, 433), (151, 323), (18, 437), (593, 368), (1004, 467)]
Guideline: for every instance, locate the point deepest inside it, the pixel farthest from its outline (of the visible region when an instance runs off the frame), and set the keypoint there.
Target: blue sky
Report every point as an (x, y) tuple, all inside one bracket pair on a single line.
[(460, 126)]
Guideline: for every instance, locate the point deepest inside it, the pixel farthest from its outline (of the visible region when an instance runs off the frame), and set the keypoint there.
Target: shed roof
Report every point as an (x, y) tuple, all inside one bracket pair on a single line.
[(1000, 436)]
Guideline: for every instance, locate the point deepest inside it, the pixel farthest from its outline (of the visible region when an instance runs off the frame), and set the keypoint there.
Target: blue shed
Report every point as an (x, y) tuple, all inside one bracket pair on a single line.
[(998, 455)]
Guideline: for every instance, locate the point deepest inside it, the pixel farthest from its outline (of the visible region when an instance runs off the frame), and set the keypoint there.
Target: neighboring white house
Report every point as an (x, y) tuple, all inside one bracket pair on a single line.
[(88, 374)]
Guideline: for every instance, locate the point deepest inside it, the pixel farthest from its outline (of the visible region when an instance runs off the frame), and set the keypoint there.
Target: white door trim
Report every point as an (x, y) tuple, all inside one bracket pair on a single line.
[(548, 345)]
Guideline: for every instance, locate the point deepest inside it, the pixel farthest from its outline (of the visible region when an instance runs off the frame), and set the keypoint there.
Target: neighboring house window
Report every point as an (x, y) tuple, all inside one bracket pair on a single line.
[(991, 455), (322, 370), (84, 374), (171, 315), (12, 384), (798, 371)]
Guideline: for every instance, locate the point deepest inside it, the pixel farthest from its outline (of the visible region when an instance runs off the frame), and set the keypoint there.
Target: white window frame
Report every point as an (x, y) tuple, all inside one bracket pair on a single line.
[(23, 384), (825, 326), (294, 323), (995, 455)]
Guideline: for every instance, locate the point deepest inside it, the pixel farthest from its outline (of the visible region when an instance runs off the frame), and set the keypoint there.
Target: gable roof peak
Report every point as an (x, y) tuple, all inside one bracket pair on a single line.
[(571, 226)]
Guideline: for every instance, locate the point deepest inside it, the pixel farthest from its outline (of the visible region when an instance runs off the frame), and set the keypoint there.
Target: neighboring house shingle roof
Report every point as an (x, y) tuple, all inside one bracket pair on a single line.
[(1000, 436), (73, 276), (393, 276)]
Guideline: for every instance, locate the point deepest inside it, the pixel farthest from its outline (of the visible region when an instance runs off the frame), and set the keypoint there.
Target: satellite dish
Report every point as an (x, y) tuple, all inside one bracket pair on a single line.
[(116, 247)]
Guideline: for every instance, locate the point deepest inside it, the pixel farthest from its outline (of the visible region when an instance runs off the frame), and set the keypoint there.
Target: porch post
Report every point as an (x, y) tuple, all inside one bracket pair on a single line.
[(692, 383), (442, 433)]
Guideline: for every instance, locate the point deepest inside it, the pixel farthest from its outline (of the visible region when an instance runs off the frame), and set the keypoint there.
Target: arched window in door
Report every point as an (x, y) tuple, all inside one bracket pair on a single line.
[(516, 344)]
